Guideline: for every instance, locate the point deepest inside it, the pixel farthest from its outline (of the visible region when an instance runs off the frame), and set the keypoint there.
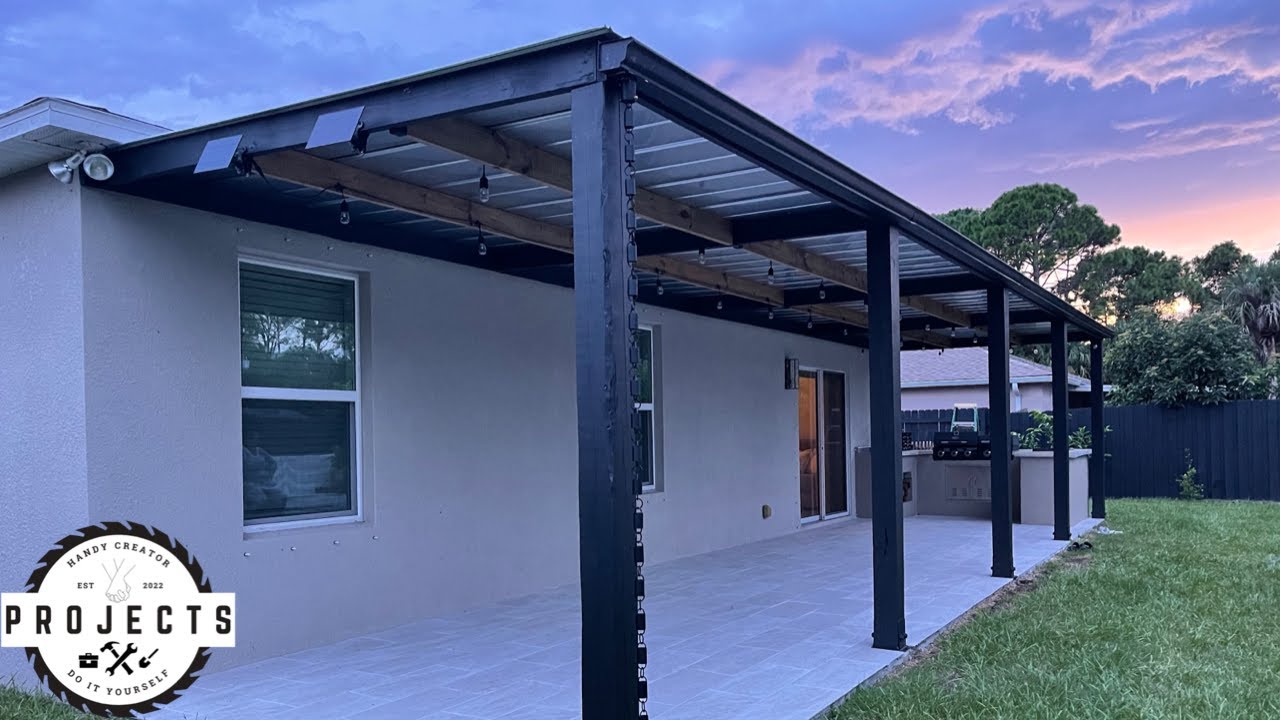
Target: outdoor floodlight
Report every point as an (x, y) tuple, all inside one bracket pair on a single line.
[(65, 169), (99, 167)]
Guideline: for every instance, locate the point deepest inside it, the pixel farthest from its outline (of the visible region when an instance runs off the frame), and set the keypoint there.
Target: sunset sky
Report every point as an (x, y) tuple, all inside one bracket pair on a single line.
[(1164, 114)]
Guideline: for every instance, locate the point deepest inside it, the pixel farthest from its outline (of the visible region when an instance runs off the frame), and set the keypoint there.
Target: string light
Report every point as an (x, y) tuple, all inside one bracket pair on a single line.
[(720, 301), (809, 324), (770, 311), (344, 210), (770, 272), (702, 256), (481, 248), (845, 332), (484, 185), (661, 289), (822, 289)]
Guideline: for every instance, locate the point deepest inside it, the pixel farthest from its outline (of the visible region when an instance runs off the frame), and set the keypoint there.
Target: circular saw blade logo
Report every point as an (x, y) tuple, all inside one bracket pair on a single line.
[(118, 618)]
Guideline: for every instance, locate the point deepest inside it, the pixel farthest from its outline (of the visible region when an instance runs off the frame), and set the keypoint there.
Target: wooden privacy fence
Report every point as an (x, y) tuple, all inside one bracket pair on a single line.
[(1235, 447)]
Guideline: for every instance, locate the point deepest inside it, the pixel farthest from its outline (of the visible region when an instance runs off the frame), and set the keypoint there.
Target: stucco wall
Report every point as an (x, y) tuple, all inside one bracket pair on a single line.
[(42, 399), (469, 427)]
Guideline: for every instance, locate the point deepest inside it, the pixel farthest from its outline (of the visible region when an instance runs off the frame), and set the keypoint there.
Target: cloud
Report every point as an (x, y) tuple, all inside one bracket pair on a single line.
[(1169, 143), (957, 73), (1139, 124)]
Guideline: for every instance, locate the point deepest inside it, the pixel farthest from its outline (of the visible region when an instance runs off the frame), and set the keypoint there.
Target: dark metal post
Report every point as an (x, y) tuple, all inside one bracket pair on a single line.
[(606, 495), (890, 624), (1097, 461), (1061, 416), (998, 386)]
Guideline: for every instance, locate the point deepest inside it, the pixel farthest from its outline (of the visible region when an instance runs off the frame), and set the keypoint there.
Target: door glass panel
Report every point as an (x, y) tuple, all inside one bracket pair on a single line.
[(810, 494), (834, 460)]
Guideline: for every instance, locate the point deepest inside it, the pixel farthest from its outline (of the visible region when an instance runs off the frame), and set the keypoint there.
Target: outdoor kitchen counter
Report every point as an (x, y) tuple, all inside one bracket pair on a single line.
[(928, 485)]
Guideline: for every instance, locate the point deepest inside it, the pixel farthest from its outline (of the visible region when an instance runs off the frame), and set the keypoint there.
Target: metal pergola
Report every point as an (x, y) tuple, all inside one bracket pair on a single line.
[(609, 169)]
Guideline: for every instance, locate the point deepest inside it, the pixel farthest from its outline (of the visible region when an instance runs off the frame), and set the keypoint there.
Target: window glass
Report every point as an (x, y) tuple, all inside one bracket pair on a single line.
[(297, 458), (297, 330)]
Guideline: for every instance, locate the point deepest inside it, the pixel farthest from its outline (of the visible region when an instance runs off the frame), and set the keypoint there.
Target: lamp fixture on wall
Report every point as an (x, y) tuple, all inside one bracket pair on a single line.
[(96, 165), (791, 371)]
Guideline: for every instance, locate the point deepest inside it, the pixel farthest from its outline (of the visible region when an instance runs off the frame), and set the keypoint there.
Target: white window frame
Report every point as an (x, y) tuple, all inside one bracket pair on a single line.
[(257, 392), (652, 407)]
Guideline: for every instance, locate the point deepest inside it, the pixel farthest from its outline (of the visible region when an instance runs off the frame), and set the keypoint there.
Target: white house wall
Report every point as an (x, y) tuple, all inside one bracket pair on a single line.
[(470, 477), (42, 396)]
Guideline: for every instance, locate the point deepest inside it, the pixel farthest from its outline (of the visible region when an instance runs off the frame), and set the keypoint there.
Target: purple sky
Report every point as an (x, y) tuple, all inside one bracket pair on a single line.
[(1163, 113)]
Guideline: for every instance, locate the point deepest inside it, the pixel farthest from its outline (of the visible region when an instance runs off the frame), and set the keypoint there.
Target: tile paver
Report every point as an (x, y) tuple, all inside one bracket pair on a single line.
[(778, 629)]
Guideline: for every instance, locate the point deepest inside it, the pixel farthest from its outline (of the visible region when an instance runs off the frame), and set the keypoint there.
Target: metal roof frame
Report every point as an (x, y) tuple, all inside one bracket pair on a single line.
[(751, 194)]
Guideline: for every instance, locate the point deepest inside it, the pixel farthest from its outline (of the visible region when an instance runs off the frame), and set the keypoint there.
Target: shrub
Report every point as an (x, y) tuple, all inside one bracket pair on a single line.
[(1188, 488), (1040, 435)]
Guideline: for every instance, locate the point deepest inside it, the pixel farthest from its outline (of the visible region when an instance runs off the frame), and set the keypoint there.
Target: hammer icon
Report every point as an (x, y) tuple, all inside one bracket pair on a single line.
[(119, 656)]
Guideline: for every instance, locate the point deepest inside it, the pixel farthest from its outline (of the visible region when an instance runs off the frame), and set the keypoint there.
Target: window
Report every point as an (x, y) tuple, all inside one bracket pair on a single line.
[(649, 427), (299, 395)]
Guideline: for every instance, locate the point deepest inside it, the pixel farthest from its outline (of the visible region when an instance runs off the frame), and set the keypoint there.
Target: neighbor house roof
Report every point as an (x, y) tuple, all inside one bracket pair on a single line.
[(968, 366)]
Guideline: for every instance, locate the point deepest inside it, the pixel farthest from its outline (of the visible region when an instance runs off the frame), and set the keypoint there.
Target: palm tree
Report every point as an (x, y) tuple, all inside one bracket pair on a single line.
[(1251, 297)]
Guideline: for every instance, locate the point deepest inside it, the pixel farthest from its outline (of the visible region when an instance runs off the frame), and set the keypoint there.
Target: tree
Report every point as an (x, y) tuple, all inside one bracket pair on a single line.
[(1042, 230), (1113, 285), (1204, 359), (1251, 297), (965, 221), (1214, 267)]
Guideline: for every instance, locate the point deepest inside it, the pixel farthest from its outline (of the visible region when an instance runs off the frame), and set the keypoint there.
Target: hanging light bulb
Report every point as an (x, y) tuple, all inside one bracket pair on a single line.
[(484, 185), (702, 256), (809, 324), (770, 272), (661, 289), (845, 332), (481, 248), (344, 210), (720, 302), (770, 312), (953, 332), (927, 327), (822, 289)]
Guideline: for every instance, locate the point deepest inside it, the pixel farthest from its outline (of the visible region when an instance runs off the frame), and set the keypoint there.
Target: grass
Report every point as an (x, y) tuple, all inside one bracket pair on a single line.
[(1178, 617), (17, 704)]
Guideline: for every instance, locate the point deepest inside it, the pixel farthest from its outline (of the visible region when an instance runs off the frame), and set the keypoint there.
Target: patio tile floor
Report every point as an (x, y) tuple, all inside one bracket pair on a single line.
[(773, 630)]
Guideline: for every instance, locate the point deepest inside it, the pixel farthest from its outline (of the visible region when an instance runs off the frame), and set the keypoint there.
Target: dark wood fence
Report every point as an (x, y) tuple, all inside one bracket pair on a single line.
[(1234, 447)]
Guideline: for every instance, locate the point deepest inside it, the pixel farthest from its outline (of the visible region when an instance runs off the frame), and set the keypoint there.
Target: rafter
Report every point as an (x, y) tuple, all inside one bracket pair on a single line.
[(304, 169), (517, 156)]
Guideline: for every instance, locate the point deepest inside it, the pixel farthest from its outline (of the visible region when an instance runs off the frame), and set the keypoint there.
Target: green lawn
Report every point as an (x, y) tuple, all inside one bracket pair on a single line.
[(18, 705), (1178, 617)]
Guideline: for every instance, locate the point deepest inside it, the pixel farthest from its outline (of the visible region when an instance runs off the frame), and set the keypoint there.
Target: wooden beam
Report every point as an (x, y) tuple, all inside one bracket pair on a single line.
[(304, 169), (492, 148), (517, 156)]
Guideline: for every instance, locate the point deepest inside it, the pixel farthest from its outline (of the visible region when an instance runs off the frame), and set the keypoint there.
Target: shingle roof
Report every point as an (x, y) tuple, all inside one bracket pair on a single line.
[(968, 366)]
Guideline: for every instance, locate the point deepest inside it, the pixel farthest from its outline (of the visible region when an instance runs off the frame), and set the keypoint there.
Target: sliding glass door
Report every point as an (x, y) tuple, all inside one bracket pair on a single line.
[(824, 477)]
